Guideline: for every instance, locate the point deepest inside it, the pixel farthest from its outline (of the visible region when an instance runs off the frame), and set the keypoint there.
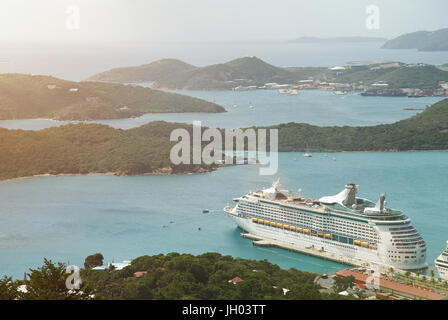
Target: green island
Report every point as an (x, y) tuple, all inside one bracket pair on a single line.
[(420, 40), (209, 276), (96, 148), (91, 148), (34, 96), (250, 73)]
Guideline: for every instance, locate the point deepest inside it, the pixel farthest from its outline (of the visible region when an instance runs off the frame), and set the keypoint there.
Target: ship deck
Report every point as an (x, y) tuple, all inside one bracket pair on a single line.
[(317, 206)]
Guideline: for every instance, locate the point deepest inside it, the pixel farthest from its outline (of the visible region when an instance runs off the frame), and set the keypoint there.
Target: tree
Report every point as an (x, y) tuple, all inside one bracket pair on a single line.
[(94, 260), (342, 284), (199, 273), (8, 288), (49, 283)]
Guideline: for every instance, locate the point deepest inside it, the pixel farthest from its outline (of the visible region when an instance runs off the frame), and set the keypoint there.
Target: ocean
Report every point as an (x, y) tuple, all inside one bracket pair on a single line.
[(66, 218), (322, 108)]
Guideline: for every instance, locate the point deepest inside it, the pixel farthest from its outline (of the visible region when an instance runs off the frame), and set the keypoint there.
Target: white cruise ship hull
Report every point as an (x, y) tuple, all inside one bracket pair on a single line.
[(304, 240)]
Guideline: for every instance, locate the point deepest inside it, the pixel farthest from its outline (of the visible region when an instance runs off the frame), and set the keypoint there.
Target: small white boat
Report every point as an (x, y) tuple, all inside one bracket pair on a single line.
[(307, 155)]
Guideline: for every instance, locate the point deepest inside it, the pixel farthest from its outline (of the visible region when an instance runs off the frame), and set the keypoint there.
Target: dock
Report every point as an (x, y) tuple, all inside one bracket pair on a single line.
[(311, 251)]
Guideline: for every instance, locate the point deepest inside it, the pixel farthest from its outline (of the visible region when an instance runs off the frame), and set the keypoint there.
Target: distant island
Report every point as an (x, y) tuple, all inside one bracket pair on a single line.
[(421, 40), (95, 148), (225, 76), (33, 96), (355, 39), (250, 73)]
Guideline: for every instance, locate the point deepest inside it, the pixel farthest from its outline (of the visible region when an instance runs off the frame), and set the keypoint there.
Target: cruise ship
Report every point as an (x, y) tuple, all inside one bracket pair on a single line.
[(342, 224), (442, 264)]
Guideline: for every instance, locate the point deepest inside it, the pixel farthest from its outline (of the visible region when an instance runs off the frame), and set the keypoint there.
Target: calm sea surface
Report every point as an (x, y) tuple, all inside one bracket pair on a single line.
[(269, 107), (68, 218)]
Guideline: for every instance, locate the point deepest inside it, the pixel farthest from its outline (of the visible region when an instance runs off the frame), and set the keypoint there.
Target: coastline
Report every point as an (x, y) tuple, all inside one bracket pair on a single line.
[(161, 171), (170, 171)]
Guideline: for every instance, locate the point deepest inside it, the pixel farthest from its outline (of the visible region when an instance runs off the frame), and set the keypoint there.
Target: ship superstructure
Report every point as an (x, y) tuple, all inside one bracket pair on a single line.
[(343, 224), (441, 264)]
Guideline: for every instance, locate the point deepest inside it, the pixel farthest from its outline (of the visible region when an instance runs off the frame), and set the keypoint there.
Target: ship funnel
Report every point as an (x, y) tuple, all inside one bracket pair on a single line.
[(346, 197), (351, 194), (276, 184), (381, 203)]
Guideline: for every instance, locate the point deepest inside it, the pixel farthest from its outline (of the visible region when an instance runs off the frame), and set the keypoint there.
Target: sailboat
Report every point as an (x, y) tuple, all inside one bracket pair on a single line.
[(307, 154)]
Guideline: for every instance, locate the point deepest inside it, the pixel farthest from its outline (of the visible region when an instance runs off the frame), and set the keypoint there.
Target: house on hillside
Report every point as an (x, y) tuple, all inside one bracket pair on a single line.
[(236, 280)]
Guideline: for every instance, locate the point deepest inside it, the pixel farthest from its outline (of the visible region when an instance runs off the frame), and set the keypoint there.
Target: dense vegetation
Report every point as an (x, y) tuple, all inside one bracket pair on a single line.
[(146, 72), (402, 76), (421, 40), (184, 276), (425, 131), (88, 148), (26, 96), (173, 276)]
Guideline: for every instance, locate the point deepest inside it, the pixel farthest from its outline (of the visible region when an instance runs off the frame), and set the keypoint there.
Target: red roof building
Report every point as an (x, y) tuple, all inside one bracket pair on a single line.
[(391, 285), (236, 280), (139, 274)]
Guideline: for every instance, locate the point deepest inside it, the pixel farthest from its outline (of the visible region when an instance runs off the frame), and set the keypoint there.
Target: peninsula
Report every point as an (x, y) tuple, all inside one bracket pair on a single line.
[(34, 96)]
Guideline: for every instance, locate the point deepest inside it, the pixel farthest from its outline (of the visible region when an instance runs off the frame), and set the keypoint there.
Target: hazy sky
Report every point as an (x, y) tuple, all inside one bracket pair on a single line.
[(210, 20)]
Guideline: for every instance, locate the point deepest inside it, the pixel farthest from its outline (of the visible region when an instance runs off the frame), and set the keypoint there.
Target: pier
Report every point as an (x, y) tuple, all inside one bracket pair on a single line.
[(311, 251)]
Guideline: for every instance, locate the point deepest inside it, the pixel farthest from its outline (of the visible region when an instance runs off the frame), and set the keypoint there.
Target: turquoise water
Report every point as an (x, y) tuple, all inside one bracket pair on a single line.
[(270, 108), (67, 218)]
